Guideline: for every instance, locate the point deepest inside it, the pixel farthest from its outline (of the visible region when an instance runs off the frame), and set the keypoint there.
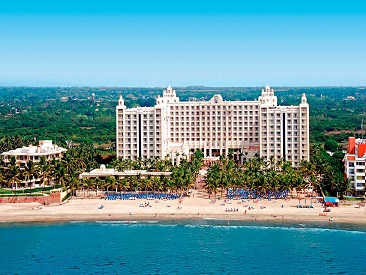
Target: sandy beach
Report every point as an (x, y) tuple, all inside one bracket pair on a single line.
[(188, 208)]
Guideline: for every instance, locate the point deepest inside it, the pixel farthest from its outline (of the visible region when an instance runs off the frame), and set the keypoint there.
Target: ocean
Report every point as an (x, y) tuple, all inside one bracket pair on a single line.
[(181, 247)]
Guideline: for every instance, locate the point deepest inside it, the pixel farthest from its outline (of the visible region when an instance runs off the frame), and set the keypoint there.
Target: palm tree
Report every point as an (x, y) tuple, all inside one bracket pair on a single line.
[(160, 183), (156, 183), (110, 182), (73, 164), (13, 173), (45, 172), (98, 184), (87, 184), (59, 173), (197, 162), (182, 176), (311, 175), (124, 184), (135, 182), (30, 172), (212, 182), (73, 182)]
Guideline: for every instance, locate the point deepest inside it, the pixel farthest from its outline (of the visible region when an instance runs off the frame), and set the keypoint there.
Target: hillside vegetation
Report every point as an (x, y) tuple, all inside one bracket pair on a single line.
[(74, 114)]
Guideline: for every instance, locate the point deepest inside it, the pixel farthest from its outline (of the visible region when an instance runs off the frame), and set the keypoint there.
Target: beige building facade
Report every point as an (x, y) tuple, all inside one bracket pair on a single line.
[(249, 128)]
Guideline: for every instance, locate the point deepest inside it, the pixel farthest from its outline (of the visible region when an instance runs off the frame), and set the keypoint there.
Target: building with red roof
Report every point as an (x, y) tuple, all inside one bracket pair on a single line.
[(354, 164)]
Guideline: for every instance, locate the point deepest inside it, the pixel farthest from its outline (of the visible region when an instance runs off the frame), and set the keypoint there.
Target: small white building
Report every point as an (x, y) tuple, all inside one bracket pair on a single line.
[(35, 153), (104, 172)]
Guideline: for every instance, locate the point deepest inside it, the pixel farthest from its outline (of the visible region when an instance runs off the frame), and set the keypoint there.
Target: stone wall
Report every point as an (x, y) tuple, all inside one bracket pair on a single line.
[(52, 198)]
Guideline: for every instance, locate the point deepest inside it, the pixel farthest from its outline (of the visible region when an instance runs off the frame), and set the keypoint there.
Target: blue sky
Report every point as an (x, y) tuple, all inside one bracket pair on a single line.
[(156, 43)]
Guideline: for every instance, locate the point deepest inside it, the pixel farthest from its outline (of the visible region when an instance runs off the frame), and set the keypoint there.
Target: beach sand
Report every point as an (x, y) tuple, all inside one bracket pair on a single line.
[(189, 208)]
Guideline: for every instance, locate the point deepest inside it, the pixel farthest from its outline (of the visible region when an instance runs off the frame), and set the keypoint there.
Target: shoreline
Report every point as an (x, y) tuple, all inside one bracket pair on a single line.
[(201, 209)]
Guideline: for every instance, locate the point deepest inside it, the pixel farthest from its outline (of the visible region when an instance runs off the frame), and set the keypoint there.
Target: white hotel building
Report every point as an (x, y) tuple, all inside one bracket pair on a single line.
[(251, 128), (45, 149)]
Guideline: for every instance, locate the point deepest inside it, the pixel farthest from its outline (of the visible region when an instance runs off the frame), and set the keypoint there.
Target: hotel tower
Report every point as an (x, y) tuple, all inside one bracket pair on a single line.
[(249, 128)]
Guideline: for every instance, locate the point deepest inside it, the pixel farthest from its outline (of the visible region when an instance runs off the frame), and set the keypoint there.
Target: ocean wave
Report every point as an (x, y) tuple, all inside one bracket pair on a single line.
[(133, 222), (231, 225), (304, 228)]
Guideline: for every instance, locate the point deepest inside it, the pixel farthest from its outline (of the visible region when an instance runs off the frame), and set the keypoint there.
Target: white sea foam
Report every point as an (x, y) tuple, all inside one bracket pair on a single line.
[(304, 228), (230, 225)]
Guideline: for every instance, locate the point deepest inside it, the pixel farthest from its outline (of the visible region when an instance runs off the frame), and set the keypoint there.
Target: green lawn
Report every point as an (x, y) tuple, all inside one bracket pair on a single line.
[(26, 192)]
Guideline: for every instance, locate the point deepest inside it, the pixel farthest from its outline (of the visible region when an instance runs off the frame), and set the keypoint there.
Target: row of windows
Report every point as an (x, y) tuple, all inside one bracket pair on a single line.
[(134, 129), (208, 118), (278, 145), (288, 114), (134, 140), (278, 121), (214, 107), (289, 134), (34, 158), (134, 146), (134, 116), (130, 153), (279, 128), (214, 123), (213, 140), (134, 134), (210, 129), (213, 113), (207, 134), (144, 122)]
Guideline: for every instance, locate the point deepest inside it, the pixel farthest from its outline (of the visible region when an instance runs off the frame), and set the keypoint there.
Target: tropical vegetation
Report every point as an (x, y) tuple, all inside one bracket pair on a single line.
[(83, 120)]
